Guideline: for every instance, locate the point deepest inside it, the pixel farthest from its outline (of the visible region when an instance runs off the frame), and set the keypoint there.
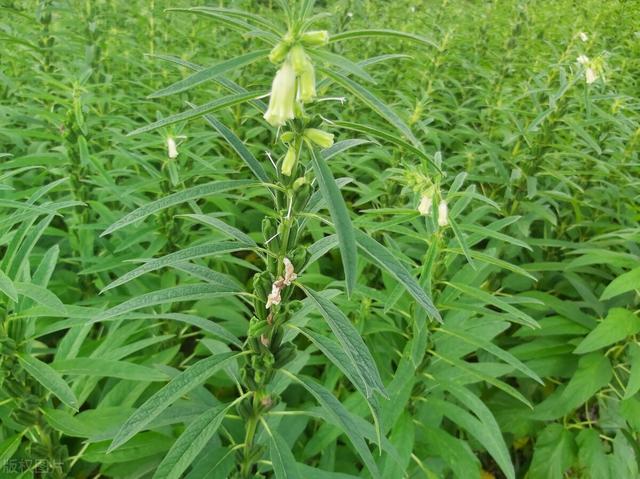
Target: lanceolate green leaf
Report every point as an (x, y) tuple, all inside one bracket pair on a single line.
[(371, 32), (188, 254), (193, 440), (373, 102), (239, 147), (341, 220), (193, 193), (352, 344), (383, 258), (339, 358), (181, 384), (42, 296), (284, 464), (190, 292), (341, 416), (386, 136), (99, 367), (8, 448), (212, 106), (209, 73), (7, 287), (49, 378), (624, 283)]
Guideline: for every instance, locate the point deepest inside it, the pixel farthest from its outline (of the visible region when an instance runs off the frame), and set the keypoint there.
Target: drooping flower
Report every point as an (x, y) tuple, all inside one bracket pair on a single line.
[(426, 203), (274, 297), (583, 59), (307, 84), (289, 273), (172, 148), (321, 138), (443, 213), (282, 99)]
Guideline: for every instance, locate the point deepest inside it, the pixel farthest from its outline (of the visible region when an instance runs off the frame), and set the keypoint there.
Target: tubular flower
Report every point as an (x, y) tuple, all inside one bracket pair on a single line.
[(282, 99), (299, 59), (307, 85), (583, 36), (172, 148), (426, 203), (583, 59), (443, 213), (319, 137)]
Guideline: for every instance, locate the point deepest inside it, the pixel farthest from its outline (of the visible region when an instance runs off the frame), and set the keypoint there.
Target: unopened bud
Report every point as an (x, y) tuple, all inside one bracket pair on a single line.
[(289, 161), (321, 138), (315, 38)]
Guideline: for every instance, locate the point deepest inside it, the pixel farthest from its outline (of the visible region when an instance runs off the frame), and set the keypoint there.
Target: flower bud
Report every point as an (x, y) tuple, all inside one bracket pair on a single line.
[(426, 203), (307, 85), (172, 148), (315, 38), (279, 52), (583, 36), (299, 59), (321, 138), (443, 213), (289, 162), (282, 99), (287, 137)]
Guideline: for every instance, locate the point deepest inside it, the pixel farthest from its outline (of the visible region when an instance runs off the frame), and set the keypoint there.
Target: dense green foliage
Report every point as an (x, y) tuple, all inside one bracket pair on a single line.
[(447, 288)]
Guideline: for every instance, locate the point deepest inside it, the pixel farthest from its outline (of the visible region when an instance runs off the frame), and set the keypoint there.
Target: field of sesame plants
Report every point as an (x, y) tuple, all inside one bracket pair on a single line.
[(301, 239)]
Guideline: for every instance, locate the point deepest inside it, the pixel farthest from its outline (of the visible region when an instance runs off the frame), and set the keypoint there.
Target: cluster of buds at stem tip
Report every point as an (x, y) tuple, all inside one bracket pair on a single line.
[(296, 78), (279, 284)]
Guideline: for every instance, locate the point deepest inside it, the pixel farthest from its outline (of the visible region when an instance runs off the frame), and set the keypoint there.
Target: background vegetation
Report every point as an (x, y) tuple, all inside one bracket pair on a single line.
[(534, 370)]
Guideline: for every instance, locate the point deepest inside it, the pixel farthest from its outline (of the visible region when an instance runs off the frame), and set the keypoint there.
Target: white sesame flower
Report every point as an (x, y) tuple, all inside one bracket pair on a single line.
[(443, 213), (274, 297), (590, 75), (583, 36), (426, 203), (172, 148), (282, 100), (289, 273), (583, 59)]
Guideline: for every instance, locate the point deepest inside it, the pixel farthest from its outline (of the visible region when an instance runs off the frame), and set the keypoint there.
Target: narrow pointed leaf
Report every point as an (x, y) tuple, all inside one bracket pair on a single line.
[(341, 220), (49, 378), (384, 259), (352, 344), (180, 385)]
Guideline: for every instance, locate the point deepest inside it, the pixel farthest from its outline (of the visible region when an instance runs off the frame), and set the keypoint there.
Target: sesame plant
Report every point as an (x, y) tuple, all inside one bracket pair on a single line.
[(327, 240)]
